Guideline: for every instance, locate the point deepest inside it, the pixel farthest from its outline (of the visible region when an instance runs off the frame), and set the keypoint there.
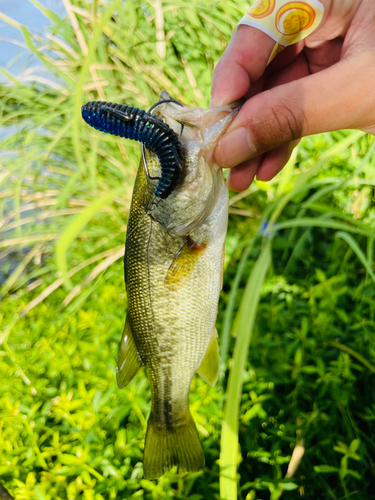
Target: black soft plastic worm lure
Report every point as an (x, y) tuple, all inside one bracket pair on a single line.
[(139, 125)]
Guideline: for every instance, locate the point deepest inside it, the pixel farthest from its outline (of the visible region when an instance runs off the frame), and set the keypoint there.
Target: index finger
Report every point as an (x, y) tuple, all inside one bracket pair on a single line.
[(241, 65)]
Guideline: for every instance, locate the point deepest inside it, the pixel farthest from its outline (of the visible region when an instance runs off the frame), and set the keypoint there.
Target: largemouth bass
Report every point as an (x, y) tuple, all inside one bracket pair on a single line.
[(173, 273)]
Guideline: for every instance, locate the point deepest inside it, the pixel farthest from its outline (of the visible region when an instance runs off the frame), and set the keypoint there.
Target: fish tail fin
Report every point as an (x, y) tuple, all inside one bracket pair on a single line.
[(166, 447)]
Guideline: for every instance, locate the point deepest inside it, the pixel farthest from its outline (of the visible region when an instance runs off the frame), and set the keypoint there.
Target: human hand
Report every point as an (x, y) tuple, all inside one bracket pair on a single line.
[(325, 82)]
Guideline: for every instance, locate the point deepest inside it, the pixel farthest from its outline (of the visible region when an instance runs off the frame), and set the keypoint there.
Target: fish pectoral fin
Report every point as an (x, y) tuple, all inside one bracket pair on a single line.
[(185, 262), (129, 361), (209, 369)]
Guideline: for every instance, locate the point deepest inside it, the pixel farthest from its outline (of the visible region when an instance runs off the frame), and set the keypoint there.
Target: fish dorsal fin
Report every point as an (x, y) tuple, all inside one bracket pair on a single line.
[(209, 368), (129, 361)]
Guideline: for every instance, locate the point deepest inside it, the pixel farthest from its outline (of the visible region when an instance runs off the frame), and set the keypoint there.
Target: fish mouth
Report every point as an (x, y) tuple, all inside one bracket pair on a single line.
[(195, 124)]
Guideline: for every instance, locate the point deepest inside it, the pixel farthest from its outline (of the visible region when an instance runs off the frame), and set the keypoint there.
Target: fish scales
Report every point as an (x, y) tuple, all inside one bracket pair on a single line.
[(173, 267), (166, 324), (173, 272), (173, 263)]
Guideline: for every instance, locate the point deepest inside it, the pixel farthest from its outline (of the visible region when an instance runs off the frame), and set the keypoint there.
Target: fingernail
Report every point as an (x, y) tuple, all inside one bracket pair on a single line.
[(235, 148), (215, 101)]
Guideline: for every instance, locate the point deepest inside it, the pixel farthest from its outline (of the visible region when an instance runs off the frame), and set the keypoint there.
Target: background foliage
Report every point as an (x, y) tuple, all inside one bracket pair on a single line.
[(302, 245)]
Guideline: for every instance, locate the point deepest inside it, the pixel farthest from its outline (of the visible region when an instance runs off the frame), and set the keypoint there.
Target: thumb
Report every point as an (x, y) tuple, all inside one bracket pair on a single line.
[(335, 98)]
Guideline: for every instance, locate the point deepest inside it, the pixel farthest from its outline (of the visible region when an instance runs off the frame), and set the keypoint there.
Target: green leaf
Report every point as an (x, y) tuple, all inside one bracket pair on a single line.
[(325, 469), (354, 445), (353, 473), (289, 486), (67, 459), (320, 275)]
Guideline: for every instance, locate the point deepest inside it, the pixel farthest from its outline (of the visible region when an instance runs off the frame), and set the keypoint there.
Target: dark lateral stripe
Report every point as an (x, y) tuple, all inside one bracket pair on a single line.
[(167, 401)]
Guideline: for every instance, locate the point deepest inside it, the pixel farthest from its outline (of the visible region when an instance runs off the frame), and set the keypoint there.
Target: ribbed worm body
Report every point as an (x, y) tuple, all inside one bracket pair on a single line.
[(139, 125)]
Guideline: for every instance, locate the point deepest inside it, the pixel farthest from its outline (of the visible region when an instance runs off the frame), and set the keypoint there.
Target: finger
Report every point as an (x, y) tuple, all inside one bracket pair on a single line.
[(296, 70), (286, 56), (329, 100), (266, 166), (274, 161), (241, 177), (325, 55), (291, 67), (241, 65)]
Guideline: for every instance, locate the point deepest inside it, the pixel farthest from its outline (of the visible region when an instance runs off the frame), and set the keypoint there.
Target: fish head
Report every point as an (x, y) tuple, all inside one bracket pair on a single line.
[(194, 197)]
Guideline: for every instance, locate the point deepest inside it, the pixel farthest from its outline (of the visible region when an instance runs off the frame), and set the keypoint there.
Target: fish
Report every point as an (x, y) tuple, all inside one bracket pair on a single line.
[(174, 258)]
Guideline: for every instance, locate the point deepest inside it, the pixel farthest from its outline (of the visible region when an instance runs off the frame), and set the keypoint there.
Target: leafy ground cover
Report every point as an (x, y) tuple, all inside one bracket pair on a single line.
[(296, 316)]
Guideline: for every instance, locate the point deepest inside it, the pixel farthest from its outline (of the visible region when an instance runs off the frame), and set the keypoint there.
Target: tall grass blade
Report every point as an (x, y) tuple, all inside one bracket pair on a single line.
[(225, 334), (305, 176), (74, 228), (356, 249), (12, 279), (93, 274), (352, 352), (245, 322), (310, 222), (57, 283), (88, 60)]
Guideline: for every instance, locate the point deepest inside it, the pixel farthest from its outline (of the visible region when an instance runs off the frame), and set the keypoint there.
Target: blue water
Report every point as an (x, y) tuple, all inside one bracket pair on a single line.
[(13, 57), (16, 60)]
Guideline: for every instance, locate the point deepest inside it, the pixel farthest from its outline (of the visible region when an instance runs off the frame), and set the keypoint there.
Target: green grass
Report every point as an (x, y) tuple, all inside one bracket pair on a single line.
[(296, 316)]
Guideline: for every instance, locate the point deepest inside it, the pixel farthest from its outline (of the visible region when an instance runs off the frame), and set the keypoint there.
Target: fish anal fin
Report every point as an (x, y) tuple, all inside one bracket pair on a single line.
[(185, 263), (129, 361), (209, 368), (169, 446)]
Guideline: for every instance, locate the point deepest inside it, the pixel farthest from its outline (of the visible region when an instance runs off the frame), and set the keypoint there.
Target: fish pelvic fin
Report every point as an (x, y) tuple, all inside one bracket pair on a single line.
[(169, 446), (129, 361), (209, 368)]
